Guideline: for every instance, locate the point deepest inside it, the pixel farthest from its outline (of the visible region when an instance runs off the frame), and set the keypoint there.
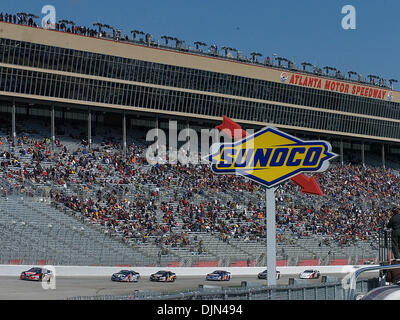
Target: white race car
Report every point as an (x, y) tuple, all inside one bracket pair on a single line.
[(310, 274)]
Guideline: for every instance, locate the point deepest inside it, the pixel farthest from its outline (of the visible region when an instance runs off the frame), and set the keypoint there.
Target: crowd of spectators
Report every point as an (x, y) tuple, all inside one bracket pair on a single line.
[(127, 195), (18, 19), (62, 25)]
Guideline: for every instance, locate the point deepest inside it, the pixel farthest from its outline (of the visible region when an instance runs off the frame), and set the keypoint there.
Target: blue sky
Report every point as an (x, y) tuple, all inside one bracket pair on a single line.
[(307, 30)]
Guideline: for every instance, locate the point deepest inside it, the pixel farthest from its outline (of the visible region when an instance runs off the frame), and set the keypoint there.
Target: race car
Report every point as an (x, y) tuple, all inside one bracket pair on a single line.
[(263, 275), (310, 274), (125, 276), (163, 276), (36, 274), (218, 275)]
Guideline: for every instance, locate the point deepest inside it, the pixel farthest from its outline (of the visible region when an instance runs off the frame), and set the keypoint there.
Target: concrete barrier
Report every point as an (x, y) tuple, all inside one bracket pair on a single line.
[(86, 271)]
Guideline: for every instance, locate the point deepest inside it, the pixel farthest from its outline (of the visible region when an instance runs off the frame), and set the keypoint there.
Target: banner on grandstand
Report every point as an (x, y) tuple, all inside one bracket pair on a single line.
[(355, 89), (270, 157)]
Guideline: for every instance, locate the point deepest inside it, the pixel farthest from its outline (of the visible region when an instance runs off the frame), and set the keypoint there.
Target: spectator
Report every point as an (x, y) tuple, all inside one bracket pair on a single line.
[(394, 224)]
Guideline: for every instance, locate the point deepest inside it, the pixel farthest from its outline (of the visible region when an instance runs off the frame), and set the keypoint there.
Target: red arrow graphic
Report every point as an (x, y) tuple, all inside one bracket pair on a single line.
[(231, 128), (308, 185)]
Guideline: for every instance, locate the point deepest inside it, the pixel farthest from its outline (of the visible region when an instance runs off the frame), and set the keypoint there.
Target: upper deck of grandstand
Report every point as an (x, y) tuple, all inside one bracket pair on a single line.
[(62, 68)]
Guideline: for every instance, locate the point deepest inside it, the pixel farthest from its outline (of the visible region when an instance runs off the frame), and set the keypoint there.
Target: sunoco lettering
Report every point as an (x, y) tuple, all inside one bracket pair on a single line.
[(269, 157)]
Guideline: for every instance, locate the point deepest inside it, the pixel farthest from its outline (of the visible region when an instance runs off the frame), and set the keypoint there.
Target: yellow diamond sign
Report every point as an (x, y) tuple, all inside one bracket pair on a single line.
[(270, 156)]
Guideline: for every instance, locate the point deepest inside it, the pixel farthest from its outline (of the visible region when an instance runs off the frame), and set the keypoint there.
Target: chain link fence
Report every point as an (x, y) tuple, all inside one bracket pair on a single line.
[(329, 291)]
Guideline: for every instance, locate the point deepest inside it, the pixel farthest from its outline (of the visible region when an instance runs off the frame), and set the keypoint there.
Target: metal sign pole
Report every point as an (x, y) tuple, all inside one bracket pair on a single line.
[(270, 235)]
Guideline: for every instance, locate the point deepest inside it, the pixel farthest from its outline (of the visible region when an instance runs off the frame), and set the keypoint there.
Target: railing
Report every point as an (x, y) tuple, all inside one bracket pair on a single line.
[(325, 291), (353, 279)]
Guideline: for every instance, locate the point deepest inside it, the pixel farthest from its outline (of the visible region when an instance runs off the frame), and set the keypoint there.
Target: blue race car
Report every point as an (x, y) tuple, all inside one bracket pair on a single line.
[(219, 275), (126, 276)]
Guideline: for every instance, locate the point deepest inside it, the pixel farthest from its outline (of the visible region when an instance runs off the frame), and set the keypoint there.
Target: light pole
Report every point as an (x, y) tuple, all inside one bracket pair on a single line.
[(391, 81), (166, 38), (110, 28), (270, 235), (254, 55), (237, 52), (306, 64), (280, 59), (327, 68), (99, 25), (317, 70), (135, 32), (226, 50), (350, 73), (198, 44), (179, 43)]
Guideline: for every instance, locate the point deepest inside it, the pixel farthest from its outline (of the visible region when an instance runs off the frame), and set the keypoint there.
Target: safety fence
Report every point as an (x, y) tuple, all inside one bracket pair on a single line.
[(327, 291)]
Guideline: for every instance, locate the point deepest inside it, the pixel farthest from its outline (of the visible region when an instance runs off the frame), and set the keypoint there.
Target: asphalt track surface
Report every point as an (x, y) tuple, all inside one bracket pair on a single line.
[(12, 288)]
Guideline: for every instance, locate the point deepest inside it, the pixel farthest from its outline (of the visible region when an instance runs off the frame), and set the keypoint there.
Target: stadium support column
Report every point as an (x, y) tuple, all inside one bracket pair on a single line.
[(363, 153), (270, 235), (124, 133), (53, 133), (383, 156), (89, 128), (341, 152), (157, 132), (188, 140), (14, 131)]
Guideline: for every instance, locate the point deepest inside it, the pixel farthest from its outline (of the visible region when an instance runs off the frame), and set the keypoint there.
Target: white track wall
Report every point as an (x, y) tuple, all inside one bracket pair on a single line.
[(83, 271)]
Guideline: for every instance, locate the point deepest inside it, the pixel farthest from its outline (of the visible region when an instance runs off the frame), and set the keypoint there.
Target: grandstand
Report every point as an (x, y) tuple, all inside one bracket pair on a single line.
[(76, 188)]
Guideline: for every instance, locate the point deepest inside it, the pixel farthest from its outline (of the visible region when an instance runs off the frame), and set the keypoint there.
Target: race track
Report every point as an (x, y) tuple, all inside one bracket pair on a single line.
[(11, 288)]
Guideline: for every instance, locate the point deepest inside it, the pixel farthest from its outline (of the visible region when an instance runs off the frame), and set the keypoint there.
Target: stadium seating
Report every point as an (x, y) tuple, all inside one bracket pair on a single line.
[(14, 261), (174, 264), (366, 261), (107, 211), (309, 262), (281, 263), (242, 263), (123, 265), (338, 262), (206, 264)]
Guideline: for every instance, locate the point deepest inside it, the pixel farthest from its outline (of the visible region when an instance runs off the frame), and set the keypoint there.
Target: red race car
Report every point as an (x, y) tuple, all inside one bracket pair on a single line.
[(36, 274)]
